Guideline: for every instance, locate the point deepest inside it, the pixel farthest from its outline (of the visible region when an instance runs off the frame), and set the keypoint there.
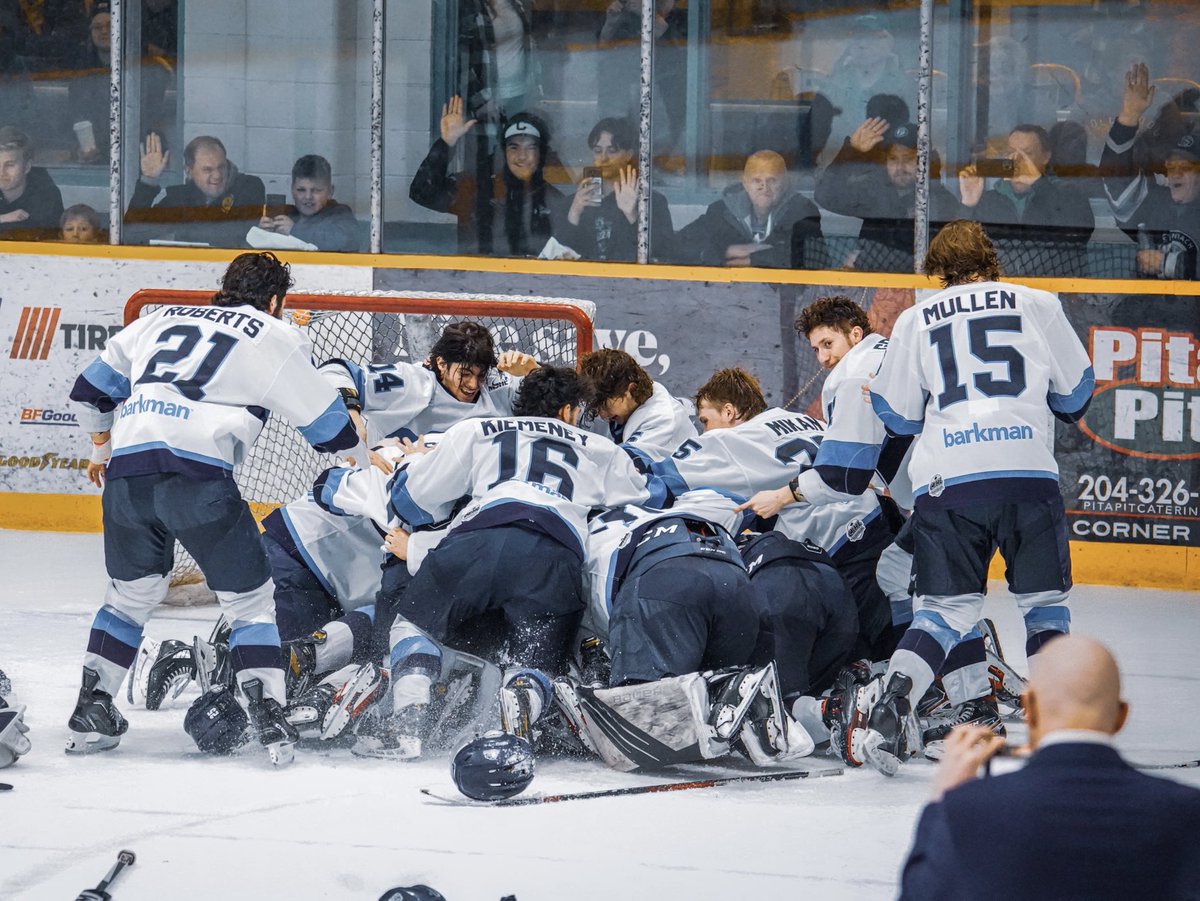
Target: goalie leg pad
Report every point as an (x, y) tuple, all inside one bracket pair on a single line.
[(646, 726)]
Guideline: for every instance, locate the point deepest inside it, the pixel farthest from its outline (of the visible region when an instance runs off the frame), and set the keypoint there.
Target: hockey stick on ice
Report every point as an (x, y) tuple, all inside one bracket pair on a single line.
[(100, 893), (640, 789)]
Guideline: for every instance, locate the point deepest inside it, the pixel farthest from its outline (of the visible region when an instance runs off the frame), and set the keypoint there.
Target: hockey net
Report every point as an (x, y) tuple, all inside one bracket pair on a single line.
[(371, 328)]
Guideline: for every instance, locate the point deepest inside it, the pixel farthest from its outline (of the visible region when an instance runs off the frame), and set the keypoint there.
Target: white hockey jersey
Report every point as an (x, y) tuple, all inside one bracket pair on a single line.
[(975, 371), (406, 400), (345, 553), (856, 445), (619, 536), (765, 453), (188, 389), (658, 426), (535, 471)]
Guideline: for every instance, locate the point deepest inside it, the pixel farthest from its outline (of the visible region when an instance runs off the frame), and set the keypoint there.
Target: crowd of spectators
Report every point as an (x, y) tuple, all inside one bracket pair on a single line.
[(849, 201)]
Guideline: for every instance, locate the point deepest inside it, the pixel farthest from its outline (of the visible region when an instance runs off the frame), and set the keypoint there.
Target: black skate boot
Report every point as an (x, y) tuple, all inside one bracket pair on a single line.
[(522, 702), (96, 724), (595, 666), (267, 720), (307, 712), (892, 734), (169, 674), (299, 665), (978, 711), (839, 710)]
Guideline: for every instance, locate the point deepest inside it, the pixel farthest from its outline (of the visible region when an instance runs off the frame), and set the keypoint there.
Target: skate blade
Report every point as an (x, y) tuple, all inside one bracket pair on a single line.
[(281, 752), (350, 701), (369, 746), (90, 742), (514, 716), (879, 759)]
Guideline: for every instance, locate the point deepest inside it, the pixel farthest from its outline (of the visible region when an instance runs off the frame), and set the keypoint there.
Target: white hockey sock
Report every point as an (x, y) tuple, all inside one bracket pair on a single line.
[(807, 712), (410, 689)]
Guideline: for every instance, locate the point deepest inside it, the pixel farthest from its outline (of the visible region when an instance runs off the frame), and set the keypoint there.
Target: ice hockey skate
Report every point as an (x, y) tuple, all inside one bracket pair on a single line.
[(354, 700), (733, 691), (522, 701), (299, 665), (976, 712), (96, 724), (163, 670), (891, 734), (396, 737), (840, 712), (307, 712), (769, 736), (267, 720), (1007, 684)]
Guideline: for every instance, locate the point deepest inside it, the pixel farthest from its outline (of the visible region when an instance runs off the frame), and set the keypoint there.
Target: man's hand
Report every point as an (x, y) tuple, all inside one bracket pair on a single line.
[(967, 748), (1138, 96), (1150, 262), (396, 542), (154, 158), (869, 135), (739, 254), (101, 452), (970, 186), (14, 216), (282, 225), (415, 447), (587, 193), (626, 192), (380, 462), (768, 503), (514, 362), (453, 124)]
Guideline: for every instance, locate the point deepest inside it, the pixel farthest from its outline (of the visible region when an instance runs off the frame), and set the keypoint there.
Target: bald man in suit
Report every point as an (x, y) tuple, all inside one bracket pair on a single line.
[(1076, 822)]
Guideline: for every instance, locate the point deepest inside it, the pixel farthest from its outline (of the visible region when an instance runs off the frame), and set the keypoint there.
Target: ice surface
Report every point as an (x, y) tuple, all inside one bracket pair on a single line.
[(334, 826)]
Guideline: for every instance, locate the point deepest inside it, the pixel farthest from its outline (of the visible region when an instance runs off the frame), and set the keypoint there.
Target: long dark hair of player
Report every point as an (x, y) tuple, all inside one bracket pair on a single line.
[(547, 390), (962, 252), (254, 278), (466, 343)]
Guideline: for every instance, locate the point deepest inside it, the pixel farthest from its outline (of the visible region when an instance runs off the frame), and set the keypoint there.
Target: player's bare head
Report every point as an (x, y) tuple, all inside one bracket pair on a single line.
[(729, 398), (257, 279), (555, 392), (615, 384), (962, 252), (1074, 684), (832, 325), (461, 358)]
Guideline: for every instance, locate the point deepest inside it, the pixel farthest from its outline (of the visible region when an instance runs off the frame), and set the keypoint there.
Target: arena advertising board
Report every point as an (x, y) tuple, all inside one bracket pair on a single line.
[(56, 314)]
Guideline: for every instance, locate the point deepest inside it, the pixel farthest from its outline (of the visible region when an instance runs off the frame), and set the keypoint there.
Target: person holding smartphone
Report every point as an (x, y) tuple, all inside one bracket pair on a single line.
[(602, 219), (313, 216), (1047, 215)]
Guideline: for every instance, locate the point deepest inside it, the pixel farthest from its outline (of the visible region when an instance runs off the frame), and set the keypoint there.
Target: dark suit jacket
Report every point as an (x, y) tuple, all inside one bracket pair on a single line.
[(186, 214), (1076, 822)]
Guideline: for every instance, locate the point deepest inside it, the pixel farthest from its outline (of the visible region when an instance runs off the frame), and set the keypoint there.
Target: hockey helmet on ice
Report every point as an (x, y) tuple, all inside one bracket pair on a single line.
[(494, 766)]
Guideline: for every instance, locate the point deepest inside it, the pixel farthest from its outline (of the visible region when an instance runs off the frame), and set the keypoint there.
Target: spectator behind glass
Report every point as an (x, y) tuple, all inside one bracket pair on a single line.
[(89, 87), (215, 205), (602, 220), (880, 189), (868, 65), (80, 224), (1164, 220), (30, 202), (517, 210), (761, 221), (1029, 206), (496, 46), (314, 216)]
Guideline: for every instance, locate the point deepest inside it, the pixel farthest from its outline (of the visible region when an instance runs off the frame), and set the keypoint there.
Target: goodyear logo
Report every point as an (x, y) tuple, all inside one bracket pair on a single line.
[(35, 332), (1147, 398)]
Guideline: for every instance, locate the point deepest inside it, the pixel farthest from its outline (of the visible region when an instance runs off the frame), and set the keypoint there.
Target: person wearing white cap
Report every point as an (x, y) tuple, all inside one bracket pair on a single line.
[(1164, 220), (525, 211)]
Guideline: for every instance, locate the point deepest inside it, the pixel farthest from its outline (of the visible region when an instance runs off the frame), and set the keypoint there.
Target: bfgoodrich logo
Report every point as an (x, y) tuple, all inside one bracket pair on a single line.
[(35, 331)]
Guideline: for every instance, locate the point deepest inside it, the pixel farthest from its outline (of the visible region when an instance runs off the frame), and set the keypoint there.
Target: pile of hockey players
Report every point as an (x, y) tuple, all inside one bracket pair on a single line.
[(567, 557)]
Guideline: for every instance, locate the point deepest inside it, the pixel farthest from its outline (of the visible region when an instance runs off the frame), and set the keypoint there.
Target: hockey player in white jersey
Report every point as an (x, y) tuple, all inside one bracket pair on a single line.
[(747, 448), (177, 399), (975, 372), (641, 414), (505, 580), (456, 382)]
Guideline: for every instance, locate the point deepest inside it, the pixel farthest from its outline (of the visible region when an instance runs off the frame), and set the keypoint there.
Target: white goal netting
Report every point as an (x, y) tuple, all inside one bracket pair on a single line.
[(379, 327)]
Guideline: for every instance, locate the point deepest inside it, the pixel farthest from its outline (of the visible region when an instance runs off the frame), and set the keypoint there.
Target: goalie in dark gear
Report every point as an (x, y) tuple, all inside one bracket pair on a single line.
[(217, 723)]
